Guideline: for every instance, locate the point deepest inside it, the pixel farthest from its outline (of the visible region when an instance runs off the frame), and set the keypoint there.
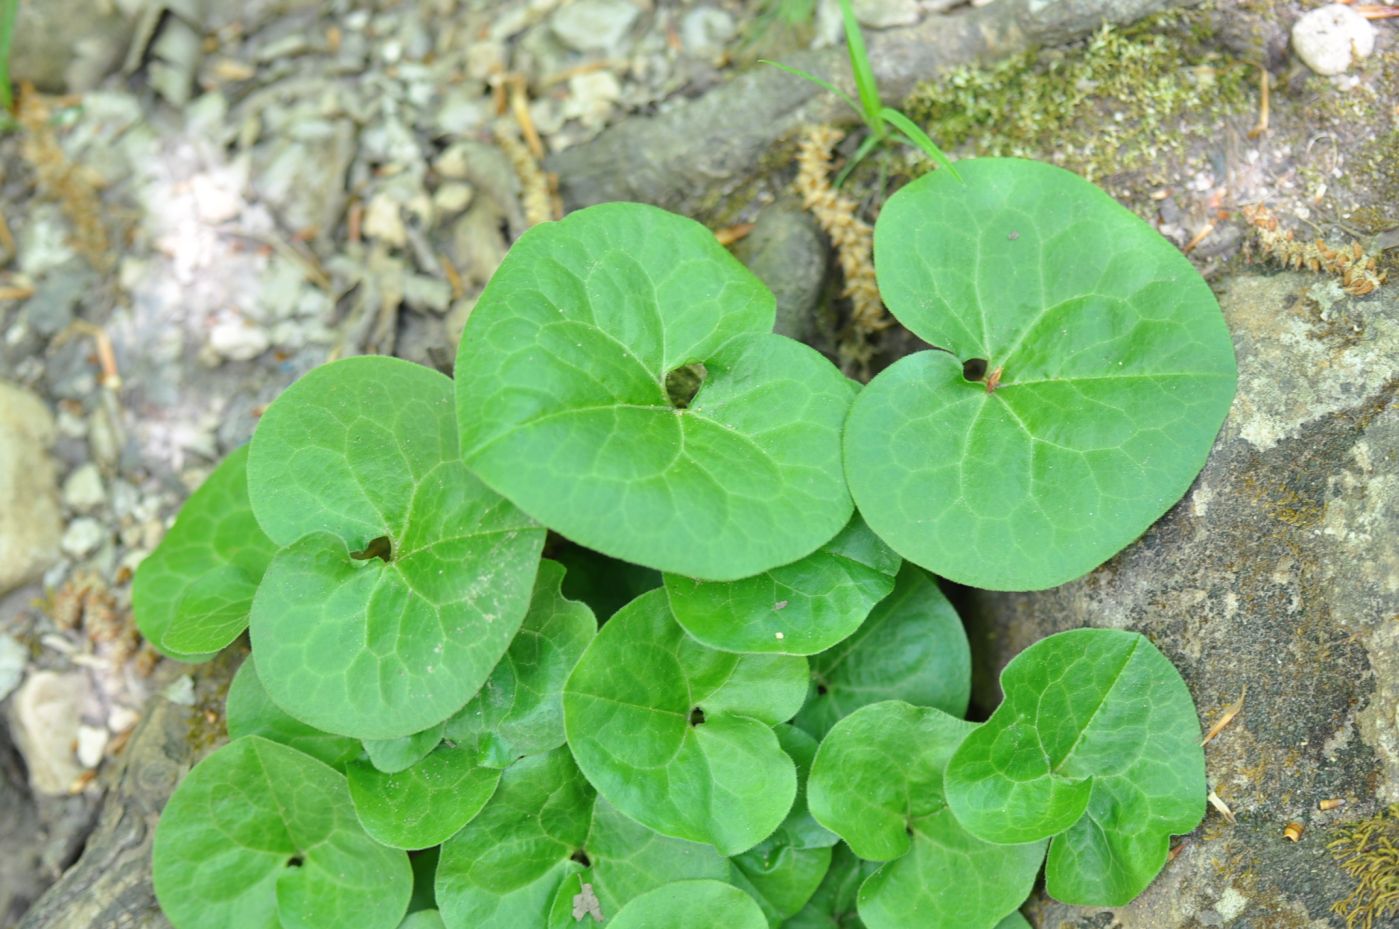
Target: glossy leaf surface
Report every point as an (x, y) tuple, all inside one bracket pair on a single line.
[(425, 804), (912, 648), (404, 579), (520, 710), (1096, 743), (260, 836), (796, 609), (1113, 369), (678, 736), (192, 595), (249, 711), (877, 782), (692, 905), (571, 403)]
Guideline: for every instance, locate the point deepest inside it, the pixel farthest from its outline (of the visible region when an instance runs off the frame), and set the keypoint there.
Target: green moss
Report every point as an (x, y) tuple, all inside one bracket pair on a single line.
[(1369, 852), (1118, 102)]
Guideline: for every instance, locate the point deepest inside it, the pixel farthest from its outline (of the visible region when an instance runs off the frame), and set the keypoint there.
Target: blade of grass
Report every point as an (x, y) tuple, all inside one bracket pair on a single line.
[(819, 82), (870, 144), (9, 9), (918, 137), (860, 68)]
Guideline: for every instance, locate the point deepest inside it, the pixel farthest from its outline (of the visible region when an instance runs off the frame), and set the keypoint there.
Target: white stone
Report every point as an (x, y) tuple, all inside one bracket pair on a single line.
[(1329, 38), (705, 30), (83, 491), (591, 97), (383, 220), (122, 718), (82, 537), (92, 745), (181, 691), (452, 197), (594, 25), (30, 523), (237, 340), (45, 725)]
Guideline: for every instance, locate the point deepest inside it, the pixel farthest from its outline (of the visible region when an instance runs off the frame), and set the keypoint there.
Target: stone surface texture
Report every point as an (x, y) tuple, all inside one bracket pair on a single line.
[(30, 525), (1329, 38), (1278, 574)]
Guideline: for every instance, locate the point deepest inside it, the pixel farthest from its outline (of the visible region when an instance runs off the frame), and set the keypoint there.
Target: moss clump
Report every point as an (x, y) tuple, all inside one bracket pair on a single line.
[(1121, 101), (1369, 852)]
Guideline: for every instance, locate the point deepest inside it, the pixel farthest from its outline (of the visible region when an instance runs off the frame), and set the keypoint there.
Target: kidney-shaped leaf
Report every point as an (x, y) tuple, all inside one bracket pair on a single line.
[(679, 736), (912, 648), (692, 905), (834, 904), (404, 578), (260, 835), (796, 609), (547, 852), (1110, 360), (1097, 743), (400, 754), (249, 711), (425, 804), (520, 710), (576, 388), (877, 782), (191, 597)]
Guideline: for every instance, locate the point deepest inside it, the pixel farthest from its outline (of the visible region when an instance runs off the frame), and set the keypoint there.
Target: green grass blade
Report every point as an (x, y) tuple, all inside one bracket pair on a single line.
[(918, 137), (9, 9), (860, 68), (870, 144), (808, 76)]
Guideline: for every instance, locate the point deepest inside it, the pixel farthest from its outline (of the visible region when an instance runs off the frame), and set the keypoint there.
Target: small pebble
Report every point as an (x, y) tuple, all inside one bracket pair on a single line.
[(1329, 38), (180, 691), (236, 340), (92, 744), (83, 490), (82, 537)]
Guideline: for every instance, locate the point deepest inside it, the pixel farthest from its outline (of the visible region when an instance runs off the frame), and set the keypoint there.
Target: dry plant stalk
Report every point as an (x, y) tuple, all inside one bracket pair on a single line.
[(73, 186), (853, 240), (535, 193), (1369, 852), (1357, 270)]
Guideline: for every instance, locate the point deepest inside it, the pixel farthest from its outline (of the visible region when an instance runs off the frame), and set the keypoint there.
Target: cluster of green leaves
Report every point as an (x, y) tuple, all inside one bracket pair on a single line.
[(766, 728)]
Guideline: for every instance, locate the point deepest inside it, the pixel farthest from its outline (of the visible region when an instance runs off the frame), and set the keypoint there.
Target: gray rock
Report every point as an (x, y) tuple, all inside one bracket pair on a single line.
[(30, 525), (1277, 573), (305, 179), (1328, 38), (594, 25), (44, 720), (706, 29), (83, 490), (83, 537), (13, 658), (788, 252), (57, 296), (67, 45), (881, 14)]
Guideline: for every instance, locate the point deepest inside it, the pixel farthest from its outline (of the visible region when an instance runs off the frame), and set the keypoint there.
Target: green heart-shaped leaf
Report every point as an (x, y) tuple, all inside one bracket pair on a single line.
[(833, 905), (692, 905), (520, 710), (1112, 364), (576, 391), (393, 755), (425, 804), (260, 835), (249, 711), (796, 609), (912, 648), (525, 859), (192, 595), (1097, 743), (877, 782), (403, 579), (678, 736), (784, 870)]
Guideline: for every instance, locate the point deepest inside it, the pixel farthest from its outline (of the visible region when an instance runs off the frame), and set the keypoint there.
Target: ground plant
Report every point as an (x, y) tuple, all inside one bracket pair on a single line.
[(634, 622)]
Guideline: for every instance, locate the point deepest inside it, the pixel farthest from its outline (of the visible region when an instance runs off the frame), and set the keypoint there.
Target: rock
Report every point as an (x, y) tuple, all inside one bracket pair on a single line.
[(44, 721), (1328, 38), (57, 296), (594, 25), (452, 198), (705, 30), (83, 490), (13, 658), (882, 14), (83, 537), (591, 97), (383, 220), (1279, 573), (305, 179), (30, 524), (92, 745), (237, 340), (68, 45), (788, 252)]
